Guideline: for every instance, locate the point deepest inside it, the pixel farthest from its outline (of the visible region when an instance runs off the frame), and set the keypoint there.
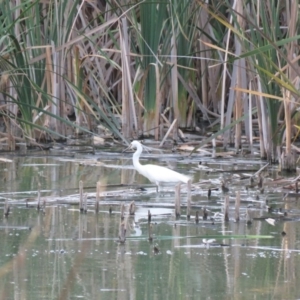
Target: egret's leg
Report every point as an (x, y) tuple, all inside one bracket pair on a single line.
[(157, 186)]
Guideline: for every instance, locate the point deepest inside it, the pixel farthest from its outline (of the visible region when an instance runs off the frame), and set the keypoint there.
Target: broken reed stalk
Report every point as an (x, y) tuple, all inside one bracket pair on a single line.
[(85, 203), (81, 196), (39, 197), (149, 216), (177, 200), (150, 232), (168, 132), (248, 218), (122, 233), (260, 182), (237, 206), (122, 211), (197, 217), (188, 209), (132, 208), (97, 203), (6, 208), (209, 193), (226, 208)]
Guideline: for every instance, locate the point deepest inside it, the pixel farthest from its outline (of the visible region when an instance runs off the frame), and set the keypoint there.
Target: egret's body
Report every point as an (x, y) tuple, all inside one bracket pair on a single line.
[(154, 173)]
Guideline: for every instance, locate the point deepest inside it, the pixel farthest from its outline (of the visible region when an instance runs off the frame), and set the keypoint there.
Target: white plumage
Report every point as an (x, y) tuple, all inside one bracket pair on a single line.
[(155, 174)]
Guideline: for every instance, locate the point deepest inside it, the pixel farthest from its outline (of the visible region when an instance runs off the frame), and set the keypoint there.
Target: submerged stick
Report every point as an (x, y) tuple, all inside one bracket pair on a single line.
[(226, 209), (237, 206), (97, 203), (122, 233), (177, 200), (132, 208), (188, 209), (81, 196)]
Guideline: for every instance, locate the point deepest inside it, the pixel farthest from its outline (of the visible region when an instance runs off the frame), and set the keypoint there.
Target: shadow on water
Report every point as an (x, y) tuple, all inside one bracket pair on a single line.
[(58, 252)]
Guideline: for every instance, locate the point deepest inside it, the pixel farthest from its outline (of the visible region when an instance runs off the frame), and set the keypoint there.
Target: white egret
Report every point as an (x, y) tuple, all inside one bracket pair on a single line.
[(155, 174)]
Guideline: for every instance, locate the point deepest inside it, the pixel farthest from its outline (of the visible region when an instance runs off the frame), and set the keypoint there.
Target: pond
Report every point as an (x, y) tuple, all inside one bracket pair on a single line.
[(58, 252)]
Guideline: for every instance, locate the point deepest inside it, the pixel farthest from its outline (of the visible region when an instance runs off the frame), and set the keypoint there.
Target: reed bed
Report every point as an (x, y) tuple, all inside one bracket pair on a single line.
[(134, 68)]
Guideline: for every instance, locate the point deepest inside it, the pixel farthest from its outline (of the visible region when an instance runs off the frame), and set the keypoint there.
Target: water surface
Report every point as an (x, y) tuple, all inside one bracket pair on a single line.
[(60, 253)]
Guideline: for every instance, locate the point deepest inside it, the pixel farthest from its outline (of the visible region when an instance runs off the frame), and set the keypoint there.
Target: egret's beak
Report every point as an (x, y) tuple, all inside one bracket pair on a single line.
[(128, 148)]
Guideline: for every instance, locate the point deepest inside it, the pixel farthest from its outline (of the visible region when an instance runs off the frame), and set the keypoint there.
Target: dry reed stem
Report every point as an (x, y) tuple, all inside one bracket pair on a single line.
[(150, 232), (177, 200), (132, 208), (129, 120), (122, 211), (39, 197), (188, 209), (237, 206), (122, 232), (197, 217), (226, 209), (81, 196), (97, 201), (149, 216), (158, 102), (85, 203), (6, 208), (168, 132)]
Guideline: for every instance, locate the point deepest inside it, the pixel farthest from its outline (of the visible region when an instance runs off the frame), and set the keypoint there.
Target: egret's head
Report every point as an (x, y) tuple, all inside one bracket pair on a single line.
[(135, 144)]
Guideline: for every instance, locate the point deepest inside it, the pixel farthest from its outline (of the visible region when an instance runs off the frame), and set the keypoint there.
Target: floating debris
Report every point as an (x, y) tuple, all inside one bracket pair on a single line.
[(271, 221)]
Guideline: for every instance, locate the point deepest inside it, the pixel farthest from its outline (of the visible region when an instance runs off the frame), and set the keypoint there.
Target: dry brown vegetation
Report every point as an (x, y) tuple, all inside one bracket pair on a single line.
[(139, 67)]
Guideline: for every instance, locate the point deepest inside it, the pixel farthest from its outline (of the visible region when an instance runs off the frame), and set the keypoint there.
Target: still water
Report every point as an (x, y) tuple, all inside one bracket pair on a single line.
[(60, 253)]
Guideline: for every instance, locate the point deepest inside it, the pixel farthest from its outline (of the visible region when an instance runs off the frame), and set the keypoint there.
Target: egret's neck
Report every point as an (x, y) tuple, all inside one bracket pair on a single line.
[(136, 158)]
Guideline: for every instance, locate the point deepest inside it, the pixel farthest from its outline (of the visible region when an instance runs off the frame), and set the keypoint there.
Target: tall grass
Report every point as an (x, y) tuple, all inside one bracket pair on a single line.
[(135, 67)]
